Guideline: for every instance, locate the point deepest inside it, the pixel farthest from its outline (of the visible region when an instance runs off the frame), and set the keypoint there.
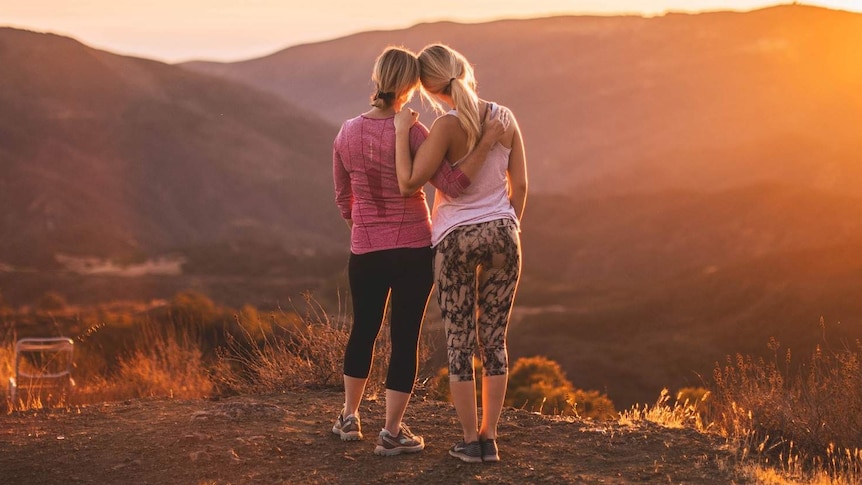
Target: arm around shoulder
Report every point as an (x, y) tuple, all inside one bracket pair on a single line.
[(495, 127), (414, 172)]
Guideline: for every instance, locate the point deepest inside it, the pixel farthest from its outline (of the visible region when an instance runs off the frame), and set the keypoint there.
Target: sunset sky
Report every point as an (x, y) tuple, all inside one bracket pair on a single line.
[(228, 30)]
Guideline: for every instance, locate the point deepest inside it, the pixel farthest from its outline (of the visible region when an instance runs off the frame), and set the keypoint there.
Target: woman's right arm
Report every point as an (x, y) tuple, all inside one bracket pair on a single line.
[(413, 174), (517, 172)]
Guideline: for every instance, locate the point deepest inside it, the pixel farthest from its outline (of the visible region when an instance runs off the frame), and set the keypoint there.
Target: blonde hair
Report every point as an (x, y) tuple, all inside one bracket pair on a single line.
[(395, 77), (444, 70)]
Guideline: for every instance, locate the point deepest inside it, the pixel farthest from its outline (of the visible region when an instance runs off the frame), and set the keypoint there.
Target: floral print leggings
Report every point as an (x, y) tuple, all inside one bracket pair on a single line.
[(480, 258)]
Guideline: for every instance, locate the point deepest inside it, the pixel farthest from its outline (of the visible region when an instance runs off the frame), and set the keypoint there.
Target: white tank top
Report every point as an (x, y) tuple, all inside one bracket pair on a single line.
[(486, 199)]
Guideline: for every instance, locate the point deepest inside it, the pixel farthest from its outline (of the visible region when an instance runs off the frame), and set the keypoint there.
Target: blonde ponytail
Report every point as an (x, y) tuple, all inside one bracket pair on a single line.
[(445, 70), (467, 105)]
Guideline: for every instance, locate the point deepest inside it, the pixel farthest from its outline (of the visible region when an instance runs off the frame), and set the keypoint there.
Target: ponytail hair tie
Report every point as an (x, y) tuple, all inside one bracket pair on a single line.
[(389, 97), (448, 88)]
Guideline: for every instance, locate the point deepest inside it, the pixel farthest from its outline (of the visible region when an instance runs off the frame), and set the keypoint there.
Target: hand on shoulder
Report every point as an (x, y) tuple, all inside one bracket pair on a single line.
[(495, 125), (405, 119)]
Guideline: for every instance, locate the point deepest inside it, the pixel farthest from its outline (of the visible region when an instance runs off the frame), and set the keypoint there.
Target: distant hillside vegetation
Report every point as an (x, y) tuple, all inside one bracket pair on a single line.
[(117, 157)]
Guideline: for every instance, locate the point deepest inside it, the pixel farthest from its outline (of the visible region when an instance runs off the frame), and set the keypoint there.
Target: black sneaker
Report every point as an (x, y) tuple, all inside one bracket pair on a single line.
[(469, 452), (489, 450), (348, 428), (405, 442)]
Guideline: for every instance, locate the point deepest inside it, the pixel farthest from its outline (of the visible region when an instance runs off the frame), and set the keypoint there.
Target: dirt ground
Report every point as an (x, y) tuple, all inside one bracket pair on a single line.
[(286, 439)]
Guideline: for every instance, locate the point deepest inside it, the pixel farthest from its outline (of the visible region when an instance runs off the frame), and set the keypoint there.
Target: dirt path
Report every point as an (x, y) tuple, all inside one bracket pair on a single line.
[(287, 439)]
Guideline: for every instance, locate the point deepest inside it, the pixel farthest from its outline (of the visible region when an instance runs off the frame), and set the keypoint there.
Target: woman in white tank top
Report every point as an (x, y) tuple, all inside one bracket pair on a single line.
[(476, 235)]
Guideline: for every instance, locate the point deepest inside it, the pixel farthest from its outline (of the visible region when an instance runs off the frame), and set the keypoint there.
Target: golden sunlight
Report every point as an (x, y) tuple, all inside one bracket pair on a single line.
[(220, 29)]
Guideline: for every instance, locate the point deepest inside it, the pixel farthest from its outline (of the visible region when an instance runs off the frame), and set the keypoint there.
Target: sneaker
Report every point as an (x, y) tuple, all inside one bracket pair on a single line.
[(348, 428), (489, 450), (469, 452), (405, 442)]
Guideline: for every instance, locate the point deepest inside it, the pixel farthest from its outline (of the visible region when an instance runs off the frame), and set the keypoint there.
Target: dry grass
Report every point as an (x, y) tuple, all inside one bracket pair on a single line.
[(792, 420), (269, 357), (7, 360), (164, 360), (802, 418), (272, 357), (177, 355), (169, 360), (680, 414)]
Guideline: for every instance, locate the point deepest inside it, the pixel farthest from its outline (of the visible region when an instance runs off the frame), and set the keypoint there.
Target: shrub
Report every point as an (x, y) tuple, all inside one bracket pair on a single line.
[(592, 404), (440, 386), (192, 306), (538, 384)]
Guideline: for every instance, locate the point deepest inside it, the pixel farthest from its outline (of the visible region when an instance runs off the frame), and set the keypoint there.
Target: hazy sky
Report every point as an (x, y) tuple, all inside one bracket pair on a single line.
[(179, 30)]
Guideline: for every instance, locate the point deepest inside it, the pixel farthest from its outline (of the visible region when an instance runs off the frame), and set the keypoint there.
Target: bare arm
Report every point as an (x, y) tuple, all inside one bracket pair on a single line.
[(517, 173), (451, 179), (413, 174)]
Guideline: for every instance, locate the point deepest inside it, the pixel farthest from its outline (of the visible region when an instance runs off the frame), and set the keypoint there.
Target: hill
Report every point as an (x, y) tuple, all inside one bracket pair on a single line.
[(286, 439), (694, 179), (633, 293), (113, 157), (629, 104), (666, 235)]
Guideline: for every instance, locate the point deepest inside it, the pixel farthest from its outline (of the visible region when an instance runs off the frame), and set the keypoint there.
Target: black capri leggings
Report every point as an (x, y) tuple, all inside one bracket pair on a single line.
[(407, 273)]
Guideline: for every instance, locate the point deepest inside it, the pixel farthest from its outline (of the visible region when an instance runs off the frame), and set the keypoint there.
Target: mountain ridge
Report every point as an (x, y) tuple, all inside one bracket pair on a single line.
[(117, 156), (604, 101)]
